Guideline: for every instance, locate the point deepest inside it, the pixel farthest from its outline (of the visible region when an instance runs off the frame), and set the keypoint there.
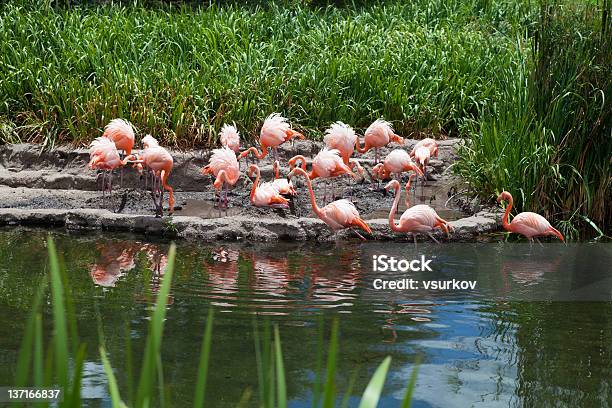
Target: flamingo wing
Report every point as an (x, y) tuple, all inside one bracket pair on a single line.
[(230, 137), (121, 132), (342, 137), (419, 218), (530, 224), (225, 159), (274, 130)]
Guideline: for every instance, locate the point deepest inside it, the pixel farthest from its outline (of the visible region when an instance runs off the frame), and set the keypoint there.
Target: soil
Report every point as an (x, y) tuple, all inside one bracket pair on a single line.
[(53, 188)]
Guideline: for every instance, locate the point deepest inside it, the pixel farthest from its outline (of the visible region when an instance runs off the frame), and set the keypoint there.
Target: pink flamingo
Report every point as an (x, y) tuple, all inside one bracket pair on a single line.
[(338, 215), (274, 132), (265, 194), (326, 164), (395, 163), (418, 219), (160, 162), (378, 134), (342, 137), (230, 137), (224, 166), (121, 132), (429, 143), (529, 224), (284, 186), (104, 156)]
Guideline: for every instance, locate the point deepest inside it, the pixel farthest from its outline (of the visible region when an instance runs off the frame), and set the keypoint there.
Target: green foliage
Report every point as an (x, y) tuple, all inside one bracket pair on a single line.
[(181, 72), (548, 140)]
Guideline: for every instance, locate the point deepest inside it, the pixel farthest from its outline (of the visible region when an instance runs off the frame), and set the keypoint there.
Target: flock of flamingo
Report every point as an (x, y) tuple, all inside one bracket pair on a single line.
[(334, 160)]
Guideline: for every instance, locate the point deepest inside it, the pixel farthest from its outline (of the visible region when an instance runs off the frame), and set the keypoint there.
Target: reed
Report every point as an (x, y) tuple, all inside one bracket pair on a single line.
[(548, 139), (62, 362)]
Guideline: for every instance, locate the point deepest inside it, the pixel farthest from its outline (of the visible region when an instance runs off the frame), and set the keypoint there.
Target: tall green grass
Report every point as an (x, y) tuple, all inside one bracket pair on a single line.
[(61, 364), (548, 140), (181, 72)]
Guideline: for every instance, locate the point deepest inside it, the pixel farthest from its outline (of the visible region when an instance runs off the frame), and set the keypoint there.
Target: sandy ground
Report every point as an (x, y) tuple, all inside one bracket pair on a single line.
[(49, 187)]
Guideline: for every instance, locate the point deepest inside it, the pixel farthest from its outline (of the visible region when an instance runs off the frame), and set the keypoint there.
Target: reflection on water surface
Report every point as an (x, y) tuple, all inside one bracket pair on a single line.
[(479, 349)]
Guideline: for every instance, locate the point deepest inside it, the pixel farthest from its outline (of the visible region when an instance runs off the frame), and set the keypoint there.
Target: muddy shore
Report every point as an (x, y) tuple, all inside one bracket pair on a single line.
[(52, 188)]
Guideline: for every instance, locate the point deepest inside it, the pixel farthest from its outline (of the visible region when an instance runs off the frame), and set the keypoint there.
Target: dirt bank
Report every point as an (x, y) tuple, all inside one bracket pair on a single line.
[(53, 188)]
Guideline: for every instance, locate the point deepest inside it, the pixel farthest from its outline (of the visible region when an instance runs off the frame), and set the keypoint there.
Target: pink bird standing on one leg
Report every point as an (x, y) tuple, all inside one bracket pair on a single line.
[(422, 155), (160, 162), (284, 186), (378, 134), (338, 215), (265, 194), (224, 166), (529, 224), (274, 132), (418, 219)]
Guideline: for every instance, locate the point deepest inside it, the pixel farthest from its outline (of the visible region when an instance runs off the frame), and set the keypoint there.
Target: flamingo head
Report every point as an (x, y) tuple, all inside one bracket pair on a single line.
[(397, 139), (253, 169), (504, 196), (293, 162), (392, 184), (149, 141)]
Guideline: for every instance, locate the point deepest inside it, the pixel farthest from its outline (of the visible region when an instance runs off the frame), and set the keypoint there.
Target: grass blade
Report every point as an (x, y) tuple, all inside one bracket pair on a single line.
[(281, 385), (371, 395), (329, 392), (407, 402), (59, 317), (112, 381), (204, 360)]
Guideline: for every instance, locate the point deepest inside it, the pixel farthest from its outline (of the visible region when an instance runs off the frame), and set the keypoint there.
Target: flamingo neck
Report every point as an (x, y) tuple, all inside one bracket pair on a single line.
[(313, 200), (505, 222), (408, 191), (255, 184), (394, 209)]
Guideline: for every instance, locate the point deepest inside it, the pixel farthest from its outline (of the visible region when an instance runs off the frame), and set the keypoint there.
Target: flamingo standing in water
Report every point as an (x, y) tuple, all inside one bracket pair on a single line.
[(104, 156), (339, 214), (418, 219), (326, 164), (274, 132), (160, 162), (378, 134), (529, 224), (284, 186), (395, 163), (265, 194), (224, 166)]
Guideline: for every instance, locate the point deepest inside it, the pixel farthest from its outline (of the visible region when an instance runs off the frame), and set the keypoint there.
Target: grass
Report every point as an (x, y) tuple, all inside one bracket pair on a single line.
[(548, 140), (179, 73), (66, 355)]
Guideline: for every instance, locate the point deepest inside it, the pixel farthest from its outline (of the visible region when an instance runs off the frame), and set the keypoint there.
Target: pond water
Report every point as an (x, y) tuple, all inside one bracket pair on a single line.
[(508, 343)]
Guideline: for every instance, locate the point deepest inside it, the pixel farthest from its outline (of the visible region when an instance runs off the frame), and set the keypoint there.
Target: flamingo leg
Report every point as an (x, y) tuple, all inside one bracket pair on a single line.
[(432, 237), (226, 199), (359, 235), (415, 241)]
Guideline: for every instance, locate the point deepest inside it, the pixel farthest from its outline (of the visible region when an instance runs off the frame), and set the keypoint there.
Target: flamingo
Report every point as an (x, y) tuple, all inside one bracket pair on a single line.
[(265, 194), (284, 186), (395, 163), (326, 164), (342, 137), (224, 166), (422, 155), (274, 132), (417, 219), (529, 224), (160, 162), (378, 134), (429, 143), (230, 137), (121, 132), (339, 214), (104, 156)]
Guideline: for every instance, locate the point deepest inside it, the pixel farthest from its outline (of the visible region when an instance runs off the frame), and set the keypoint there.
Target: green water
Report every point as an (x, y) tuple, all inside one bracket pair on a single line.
[(478, 348)]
